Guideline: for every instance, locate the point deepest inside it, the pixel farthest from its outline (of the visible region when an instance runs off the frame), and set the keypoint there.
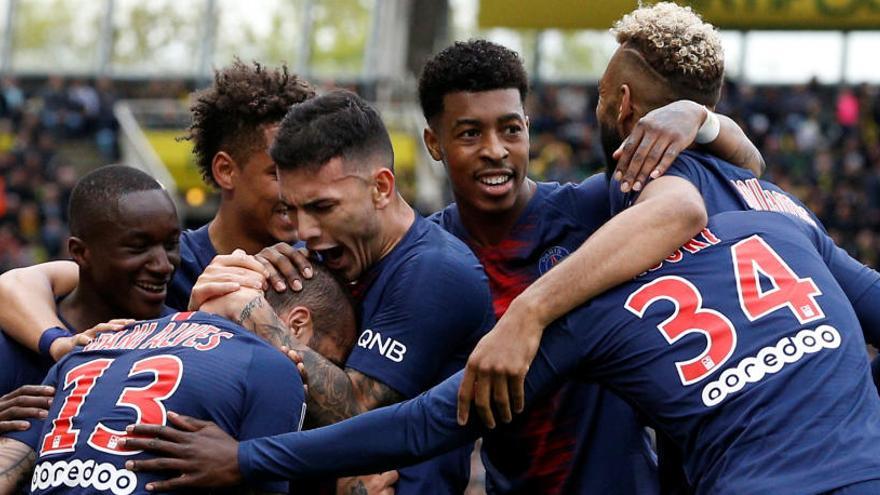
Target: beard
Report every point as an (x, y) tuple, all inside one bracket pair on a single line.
[(611, 140)]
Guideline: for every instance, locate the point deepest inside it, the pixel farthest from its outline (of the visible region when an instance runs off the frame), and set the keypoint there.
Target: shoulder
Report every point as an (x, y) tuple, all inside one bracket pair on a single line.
[(196, 244), (587, 200), (439, 251), (447, 219)]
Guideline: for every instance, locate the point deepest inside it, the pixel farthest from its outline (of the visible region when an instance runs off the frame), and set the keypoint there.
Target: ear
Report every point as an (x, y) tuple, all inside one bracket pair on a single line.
[(299, 321), (383, 190), (625, 111), (433, 144), (225, 170), (79, 251)]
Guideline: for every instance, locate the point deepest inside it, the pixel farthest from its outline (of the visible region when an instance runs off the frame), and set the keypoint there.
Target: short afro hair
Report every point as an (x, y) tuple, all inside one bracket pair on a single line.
[(471, 66), (95, 196), (678, 44), (228, 115), (335, 124)]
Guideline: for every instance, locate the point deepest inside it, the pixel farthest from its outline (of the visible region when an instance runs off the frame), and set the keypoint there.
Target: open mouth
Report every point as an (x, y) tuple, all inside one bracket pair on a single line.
[(331, 256), (151, 287), (496, 182)]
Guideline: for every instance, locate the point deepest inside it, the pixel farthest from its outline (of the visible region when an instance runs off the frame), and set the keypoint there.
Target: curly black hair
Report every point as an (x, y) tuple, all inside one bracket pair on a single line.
[(227, 116), (472, 66)]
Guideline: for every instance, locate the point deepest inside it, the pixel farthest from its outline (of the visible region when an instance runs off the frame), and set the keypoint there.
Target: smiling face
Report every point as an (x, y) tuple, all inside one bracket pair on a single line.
[(482, 138), (257, 197), (131, 258), (335, 212)]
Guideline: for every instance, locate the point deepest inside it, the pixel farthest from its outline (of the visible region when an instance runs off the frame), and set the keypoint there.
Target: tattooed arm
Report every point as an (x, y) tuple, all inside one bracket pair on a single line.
[(334, 394), (16, 461)]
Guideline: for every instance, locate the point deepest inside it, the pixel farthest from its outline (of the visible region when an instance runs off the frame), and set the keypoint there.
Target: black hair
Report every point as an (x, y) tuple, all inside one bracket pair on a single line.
[(227, 115), (331, 306), (471, 66), (95, 196), (336, 124)]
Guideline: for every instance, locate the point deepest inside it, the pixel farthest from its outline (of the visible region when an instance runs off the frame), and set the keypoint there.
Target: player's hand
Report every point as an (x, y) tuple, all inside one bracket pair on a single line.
[(203, 454), (374, 484), (286, 266), (228, 273), (61, 347), (496, 370), (27, 402), (655, 141), (232, 306), (300, 366)]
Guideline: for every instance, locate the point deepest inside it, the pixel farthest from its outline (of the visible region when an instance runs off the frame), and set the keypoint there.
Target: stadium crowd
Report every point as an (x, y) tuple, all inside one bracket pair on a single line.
[(35, 178), (706, 305), (821, 142)]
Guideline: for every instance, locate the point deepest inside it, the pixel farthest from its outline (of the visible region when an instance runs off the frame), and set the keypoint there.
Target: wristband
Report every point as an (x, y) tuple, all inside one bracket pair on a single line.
[(710, 129), (49, 336)]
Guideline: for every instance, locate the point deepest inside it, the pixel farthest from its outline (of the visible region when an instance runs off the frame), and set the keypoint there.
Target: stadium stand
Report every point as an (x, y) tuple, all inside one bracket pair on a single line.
[(820, 142)]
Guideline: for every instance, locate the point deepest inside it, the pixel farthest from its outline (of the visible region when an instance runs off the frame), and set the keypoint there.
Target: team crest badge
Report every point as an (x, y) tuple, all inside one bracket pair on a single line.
[(551, 257)]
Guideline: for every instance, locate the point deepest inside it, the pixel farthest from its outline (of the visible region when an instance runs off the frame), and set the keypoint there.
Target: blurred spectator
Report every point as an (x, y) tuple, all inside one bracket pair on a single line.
[(820, 143), (35, 181)]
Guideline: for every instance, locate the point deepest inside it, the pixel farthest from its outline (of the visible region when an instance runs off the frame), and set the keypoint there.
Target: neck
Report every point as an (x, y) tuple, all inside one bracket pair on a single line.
[(487, 228), (399, 218), (229, 231), (85, 308)]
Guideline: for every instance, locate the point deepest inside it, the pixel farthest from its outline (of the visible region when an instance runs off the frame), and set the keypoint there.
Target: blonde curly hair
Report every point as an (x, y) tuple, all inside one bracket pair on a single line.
[(676, 43)]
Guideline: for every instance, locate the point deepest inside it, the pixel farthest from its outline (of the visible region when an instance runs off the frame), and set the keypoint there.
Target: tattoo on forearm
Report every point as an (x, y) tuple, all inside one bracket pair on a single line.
[(358, 488), (16, 460), (334, 394), (259, 318), (248, 310)]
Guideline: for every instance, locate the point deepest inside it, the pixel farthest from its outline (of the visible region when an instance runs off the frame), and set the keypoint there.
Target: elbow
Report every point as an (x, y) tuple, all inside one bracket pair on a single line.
[(10, 280), (688, 216)]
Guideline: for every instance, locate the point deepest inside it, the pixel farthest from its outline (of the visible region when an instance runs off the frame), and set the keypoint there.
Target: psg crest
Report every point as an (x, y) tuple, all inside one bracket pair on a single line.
[(551, 257)]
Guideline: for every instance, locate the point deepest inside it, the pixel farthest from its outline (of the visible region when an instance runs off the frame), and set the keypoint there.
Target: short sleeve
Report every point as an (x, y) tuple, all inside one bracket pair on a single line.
[(589, 201), (274, 402), (432, 308)]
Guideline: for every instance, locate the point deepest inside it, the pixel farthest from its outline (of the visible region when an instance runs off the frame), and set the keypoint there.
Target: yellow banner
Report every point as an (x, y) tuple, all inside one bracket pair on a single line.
[(728, 14)]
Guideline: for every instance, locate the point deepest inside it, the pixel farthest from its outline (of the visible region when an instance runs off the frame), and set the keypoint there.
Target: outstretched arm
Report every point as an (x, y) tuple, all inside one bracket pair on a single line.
[(27, 296), (16, 461), (388, 437)]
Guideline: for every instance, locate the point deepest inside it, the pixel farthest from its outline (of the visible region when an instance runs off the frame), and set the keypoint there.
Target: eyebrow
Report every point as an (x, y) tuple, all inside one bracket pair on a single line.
[(477, 122)]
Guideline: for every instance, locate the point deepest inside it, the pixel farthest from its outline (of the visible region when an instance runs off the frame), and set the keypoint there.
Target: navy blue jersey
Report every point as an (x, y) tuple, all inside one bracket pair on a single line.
[(196, 364), (20, 365), (742, 348), (196, 252), (424, 306), (583, 439), (725, 187)]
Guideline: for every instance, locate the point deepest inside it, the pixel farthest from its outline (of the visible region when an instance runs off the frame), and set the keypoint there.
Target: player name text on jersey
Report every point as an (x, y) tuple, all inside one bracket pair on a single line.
[(761, 199), (199, 336)]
